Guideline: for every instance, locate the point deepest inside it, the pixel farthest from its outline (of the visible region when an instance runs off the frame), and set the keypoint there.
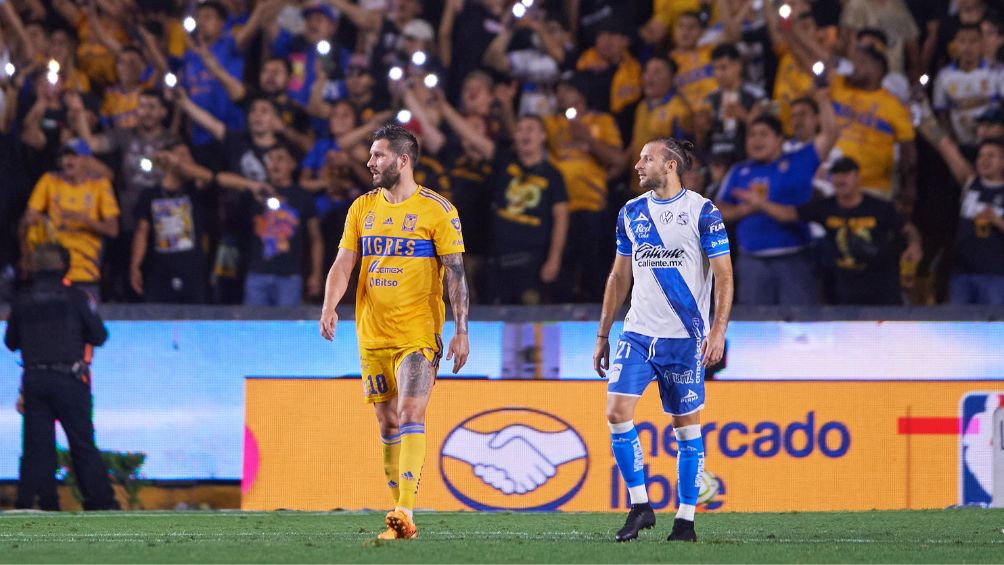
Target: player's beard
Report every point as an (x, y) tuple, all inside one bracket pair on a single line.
[(388, 177), (651, 182)]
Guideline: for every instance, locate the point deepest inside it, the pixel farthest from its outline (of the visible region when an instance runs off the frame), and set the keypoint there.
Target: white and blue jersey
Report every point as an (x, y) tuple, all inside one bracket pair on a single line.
[(670, 243)]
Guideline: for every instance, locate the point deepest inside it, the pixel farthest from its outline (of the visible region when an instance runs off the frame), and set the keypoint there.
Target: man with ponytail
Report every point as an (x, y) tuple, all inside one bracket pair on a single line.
[(671, 246)]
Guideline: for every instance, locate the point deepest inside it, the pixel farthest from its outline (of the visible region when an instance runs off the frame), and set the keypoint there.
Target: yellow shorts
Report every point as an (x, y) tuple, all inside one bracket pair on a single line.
[(379, 369)]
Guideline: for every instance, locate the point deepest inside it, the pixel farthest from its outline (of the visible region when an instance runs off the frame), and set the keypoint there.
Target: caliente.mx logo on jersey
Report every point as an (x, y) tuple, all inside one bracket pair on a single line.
[(649, 255)]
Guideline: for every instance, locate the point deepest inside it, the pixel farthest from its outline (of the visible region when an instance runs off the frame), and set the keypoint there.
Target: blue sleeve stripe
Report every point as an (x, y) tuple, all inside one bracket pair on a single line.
[(622, 254), (719, 254)]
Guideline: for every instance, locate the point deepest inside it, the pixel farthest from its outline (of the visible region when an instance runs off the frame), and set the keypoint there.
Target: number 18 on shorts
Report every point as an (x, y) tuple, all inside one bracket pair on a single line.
[(674, 363)]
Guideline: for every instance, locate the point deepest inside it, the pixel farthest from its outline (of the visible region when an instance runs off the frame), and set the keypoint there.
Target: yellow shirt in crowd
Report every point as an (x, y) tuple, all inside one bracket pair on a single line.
[(669, 117), (625, 89), (399, 301), (694, 80), (585, 178), (53, 196), (871, 122)]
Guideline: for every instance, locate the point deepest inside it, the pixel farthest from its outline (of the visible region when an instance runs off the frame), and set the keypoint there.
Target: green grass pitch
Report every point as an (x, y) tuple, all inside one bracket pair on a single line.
[(934, 536)]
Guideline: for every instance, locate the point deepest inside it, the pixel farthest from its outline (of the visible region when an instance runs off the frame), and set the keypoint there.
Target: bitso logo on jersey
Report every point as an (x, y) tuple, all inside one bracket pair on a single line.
[(514, 459)]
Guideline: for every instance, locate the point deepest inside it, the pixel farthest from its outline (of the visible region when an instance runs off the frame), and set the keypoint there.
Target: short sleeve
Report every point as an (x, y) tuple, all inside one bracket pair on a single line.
[(39, 200), (805, 161), (813, 211), (142, 209), (559, 194), (728, 183), (448, 235), (899, 117), (350, 235), (620, 232), (608, 132), (714, 239), (107, 205)]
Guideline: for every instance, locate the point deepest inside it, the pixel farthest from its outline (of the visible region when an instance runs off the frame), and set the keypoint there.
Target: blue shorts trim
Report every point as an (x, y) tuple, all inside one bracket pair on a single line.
[(676, 364)]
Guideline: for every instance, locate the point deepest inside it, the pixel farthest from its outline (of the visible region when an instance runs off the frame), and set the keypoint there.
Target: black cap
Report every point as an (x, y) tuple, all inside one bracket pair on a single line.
[(844, 165), (991, 116)]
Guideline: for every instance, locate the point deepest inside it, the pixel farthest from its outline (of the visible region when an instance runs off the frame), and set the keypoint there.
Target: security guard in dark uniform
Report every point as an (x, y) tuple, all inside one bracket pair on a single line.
[(55, 325)]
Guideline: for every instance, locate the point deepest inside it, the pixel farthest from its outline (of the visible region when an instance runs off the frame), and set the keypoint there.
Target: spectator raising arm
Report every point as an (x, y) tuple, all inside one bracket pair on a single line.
[(207, 121), (445, 45), (233, 181), (828, 130), (365, 20), (458, 124), (19, 42), (433, 138), (268, 10), (935, 134), (234, 87)]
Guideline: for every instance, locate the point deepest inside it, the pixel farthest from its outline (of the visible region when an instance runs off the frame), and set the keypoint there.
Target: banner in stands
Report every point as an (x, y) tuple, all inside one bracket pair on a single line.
[(312, 444)]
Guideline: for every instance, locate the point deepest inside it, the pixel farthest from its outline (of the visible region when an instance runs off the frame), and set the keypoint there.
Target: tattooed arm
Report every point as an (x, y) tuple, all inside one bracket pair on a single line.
[(456, 287)]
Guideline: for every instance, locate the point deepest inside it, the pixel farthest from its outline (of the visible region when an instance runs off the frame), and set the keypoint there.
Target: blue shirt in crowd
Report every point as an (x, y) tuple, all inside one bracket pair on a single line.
[(788, 180)]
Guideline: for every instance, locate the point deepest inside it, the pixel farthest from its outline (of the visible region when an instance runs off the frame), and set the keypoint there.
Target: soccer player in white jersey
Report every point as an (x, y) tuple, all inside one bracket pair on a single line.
[(669, 243)]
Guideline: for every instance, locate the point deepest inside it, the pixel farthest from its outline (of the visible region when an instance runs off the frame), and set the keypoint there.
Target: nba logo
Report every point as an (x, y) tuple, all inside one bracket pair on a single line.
[(409, 222), (981, 449)]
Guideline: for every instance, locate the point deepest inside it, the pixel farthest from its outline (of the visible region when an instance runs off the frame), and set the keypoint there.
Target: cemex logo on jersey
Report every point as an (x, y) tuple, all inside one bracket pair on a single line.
[(977, 446), (377, 269), (653, 256), (514, 459)]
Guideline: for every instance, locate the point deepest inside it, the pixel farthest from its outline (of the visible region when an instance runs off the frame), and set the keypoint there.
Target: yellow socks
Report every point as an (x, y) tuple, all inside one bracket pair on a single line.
[(412, 459), (391, 453)]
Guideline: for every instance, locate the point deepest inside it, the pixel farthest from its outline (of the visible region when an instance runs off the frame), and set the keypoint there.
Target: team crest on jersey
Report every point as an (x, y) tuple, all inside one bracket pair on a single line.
[(410, 220), (783, 166), (666, 217), (455, 222), (368, 222), (682, 218)]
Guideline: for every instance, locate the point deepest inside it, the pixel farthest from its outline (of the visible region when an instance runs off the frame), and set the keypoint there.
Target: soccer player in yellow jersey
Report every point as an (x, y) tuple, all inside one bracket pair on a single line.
[(407, 237)]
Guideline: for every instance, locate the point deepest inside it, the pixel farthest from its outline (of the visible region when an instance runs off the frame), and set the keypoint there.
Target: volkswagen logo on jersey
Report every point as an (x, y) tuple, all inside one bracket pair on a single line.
[(666, 217), (514, 459)]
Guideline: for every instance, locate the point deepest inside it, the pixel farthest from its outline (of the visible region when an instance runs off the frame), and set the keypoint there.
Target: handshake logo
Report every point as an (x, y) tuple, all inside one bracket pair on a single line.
[(515, 452)]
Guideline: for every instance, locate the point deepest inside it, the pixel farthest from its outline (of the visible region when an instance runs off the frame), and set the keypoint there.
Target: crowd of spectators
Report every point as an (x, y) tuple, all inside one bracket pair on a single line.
[(207, 152)]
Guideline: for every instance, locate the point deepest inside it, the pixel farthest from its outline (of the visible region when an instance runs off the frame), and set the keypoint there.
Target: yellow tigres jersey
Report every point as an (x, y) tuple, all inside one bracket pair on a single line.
[(670, 117), (53, 196), (694, 80), (625, 88), (871, 123), (791, 83), (585, 178), (119, 107), (399, 302)]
